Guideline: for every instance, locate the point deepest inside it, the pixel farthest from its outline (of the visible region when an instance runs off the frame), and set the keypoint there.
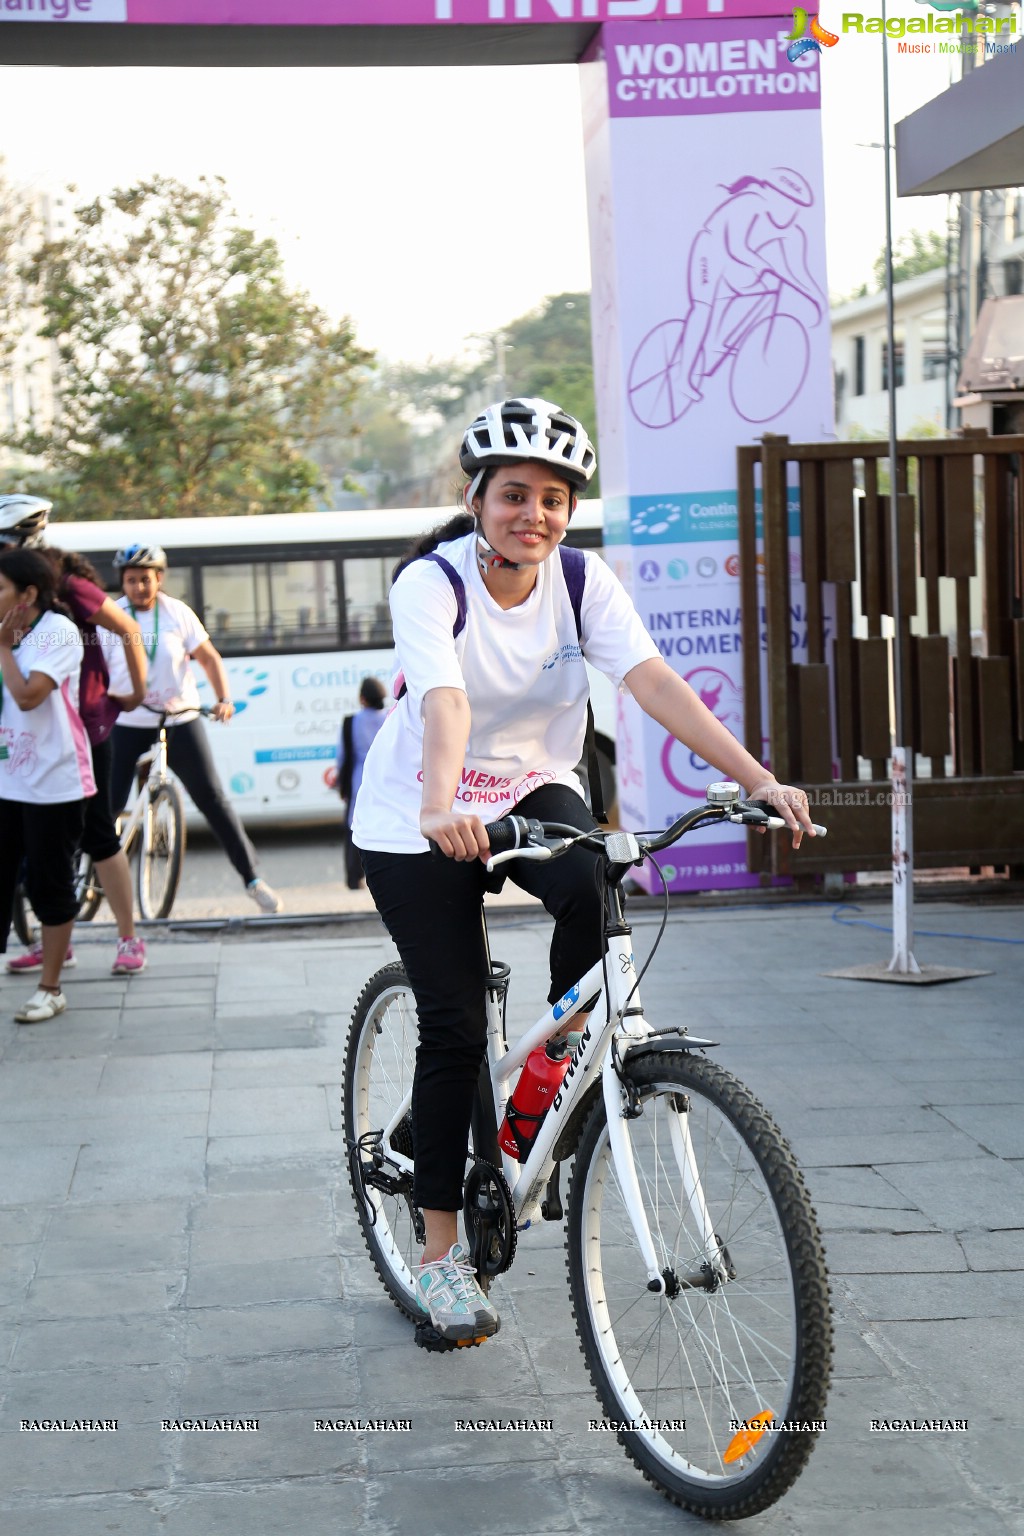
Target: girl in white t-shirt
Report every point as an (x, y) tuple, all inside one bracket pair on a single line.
[(493, 719), (45, 762)]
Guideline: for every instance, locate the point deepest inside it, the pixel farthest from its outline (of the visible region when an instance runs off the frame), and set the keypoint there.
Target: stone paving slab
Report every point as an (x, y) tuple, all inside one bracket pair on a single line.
[(177, 1237)]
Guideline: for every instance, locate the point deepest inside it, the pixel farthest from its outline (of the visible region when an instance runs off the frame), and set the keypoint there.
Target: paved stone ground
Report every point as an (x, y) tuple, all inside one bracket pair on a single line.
[(178, 1241)]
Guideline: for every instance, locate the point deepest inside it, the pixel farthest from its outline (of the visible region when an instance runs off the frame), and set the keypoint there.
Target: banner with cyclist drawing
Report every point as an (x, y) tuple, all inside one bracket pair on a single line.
[(710, 157)]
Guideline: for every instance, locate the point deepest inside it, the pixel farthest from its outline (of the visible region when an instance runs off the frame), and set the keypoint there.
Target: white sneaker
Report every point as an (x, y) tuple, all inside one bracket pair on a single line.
[(265, 898), (449, 1293), (41, 1006)]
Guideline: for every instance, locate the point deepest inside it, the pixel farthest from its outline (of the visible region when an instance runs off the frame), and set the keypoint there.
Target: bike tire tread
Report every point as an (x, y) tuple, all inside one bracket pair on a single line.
[(800, 1226), (380, 981)]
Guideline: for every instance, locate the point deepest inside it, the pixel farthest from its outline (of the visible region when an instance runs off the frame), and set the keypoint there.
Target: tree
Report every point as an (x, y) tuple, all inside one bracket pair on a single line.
[(914, 254), (15, 224), (545, 353), (192, 380)]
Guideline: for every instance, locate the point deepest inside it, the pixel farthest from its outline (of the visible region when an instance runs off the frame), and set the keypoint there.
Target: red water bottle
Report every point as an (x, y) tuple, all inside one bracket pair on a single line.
[(538, 1083)]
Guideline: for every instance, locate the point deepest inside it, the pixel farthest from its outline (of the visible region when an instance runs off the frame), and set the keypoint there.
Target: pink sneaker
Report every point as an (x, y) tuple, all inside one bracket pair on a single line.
[(32, 960), (131, 957)]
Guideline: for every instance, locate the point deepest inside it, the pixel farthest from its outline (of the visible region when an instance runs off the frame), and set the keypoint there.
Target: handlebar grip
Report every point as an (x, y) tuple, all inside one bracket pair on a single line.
[(504, 835), (513, 832)]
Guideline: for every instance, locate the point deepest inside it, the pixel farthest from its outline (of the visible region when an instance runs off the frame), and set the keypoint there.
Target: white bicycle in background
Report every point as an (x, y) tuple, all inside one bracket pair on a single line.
[(696, 1269)]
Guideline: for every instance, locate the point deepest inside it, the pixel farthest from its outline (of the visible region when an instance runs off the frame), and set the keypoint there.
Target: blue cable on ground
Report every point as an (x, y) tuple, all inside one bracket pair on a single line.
[(838, 916)]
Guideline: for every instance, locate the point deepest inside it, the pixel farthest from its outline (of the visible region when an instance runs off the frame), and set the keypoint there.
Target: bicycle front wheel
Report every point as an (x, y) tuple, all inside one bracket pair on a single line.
[(161, 852), (380, 1059), (700, 1380)]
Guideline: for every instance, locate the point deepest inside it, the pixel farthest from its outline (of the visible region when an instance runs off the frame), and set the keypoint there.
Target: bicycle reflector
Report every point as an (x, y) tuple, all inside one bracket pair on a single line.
[(748, 1436)]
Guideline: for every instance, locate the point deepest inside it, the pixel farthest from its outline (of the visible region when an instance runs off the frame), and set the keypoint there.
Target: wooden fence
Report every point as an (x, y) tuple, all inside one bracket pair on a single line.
[(961, 586)]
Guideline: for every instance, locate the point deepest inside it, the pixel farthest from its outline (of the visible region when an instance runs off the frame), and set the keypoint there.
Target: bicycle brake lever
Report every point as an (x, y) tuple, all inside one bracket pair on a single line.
[(517, 853), (774, 823)]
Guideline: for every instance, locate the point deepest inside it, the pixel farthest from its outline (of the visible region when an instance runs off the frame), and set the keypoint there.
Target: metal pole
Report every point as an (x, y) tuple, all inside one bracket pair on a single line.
[(902, 761)]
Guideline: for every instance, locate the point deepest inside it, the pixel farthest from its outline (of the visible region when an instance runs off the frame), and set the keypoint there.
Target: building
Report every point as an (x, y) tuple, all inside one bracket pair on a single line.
[(935, 316), (28, 392)]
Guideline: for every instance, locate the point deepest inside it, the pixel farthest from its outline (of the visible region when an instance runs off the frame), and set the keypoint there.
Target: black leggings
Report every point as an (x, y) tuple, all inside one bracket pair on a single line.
[(188, 755), (46, 837), (431, 906)]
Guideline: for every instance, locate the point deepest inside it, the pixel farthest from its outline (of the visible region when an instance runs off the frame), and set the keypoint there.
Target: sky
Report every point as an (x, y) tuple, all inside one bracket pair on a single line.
[(429, 205)]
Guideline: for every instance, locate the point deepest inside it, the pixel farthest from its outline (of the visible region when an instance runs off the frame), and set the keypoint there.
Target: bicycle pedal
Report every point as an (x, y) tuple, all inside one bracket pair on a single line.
[(427, 1337)]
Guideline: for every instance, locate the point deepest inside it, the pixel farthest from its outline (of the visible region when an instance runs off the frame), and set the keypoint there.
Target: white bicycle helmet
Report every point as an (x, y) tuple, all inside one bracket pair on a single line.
[(23, 519), (782, 178), (529, 429), (141, 557)]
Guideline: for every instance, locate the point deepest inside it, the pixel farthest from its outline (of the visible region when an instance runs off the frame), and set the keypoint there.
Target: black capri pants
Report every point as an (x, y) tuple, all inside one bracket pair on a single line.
[(47, 838), (188, 755), (99, 834), (431, 907)]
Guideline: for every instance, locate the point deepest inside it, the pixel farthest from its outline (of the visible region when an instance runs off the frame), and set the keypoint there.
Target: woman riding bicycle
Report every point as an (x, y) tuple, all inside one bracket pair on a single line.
[(493, 720), (172, 636)]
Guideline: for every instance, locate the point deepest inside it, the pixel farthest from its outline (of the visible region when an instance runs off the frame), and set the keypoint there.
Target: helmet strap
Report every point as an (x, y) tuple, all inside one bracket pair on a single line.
[(488, 559)]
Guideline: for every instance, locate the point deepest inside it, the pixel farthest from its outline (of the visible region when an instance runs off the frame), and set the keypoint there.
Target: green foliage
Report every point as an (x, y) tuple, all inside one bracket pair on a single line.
[(545, 353), (916, 253), (192, 380), (15, 221)]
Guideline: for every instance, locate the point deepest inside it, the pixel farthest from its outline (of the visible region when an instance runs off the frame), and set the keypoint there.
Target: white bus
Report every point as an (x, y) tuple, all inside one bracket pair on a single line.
[(297, 604)]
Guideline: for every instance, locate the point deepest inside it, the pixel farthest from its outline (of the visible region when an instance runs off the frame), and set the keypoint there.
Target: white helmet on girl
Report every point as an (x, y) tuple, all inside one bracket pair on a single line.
[(529, 429), (23, 519)]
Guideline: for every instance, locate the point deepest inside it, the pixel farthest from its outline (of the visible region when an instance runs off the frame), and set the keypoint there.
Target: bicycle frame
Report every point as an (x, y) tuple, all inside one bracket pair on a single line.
[(154, 762), (624, 1027)]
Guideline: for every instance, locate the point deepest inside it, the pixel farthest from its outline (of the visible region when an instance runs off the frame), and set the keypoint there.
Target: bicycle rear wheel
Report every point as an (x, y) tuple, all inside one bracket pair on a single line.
[(161, 851), (683, 1373), (88, 893), (23, 918), (380, 1058), (87, 889)]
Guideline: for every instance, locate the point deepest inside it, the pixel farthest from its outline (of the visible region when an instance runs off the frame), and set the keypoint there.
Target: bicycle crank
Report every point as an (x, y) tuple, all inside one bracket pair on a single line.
[(490, 1220)]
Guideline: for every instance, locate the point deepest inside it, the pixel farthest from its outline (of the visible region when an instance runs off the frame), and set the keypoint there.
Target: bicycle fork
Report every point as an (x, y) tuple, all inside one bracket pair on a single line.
[(661, 1279)]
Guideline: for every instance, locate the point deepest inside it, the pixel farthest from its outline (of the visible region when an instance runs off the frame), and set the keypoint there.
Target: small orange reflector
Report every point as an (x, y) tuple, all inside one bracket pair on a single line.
[(747, 1437)]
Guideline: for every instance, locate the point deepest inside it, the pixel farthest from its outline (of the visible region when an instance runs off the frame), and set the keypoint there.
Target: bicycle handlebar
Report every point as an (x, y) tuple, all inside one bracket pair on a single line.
[(520, 837), (172, 714)]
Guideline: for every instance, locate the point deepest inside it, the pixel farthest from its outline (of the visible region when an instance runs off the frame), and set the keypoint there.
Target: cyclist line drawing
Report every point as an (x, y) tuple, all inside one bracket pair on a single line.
[(747, 271)]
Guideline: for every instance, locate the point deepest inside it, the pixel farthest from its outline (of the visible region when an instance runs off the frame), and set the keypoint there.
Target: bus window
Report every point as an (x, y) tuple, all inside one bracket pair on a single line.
[(276, 605), (178, 583), (367, 614)]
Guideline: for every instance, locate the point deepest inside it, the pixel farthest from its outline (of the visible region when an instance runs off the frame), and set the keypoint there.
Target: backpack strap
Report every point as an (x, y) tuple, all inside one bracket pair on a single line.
[(457, 587), (574, 569)]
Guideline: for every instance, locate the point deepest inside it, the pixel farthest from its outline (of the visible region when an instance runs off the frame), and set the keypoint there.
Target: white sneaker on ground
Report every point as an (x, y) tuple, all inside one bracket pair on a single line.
[(265, 898), (448, 1290), (41, 1006)]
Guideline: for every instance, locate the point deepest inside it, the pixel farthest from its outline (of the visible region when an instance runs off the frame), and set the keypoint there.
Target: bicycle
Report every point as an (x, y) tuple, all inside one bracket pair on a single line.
[(696, 1270), (153, 827), (767, 345)]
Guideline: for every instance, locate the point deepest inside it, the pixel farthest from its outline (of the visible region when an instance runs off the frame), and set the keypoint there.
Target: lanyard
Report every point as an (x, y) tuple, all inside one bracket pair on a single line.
[(35, 621), (150, 649)]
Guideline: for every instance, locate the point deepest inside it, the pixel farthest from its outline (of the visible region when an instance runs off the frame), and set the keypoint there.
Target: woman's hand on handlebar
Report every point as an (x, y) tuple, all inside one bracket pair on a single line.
[(789, 802), (222, 710), (457, 835)]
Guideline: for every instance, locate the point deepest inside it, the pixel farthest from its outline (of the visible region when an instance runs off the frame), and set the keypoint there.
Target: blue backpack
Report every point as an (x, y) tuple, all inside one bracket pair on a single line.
[(574, 569)]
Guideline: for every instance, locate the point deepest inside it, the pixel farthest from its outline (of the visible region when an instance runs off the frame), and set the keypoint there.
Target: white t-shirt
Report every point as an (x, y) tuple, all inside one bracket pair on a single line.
[(48, 761), (523, 672), (170, 682)]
